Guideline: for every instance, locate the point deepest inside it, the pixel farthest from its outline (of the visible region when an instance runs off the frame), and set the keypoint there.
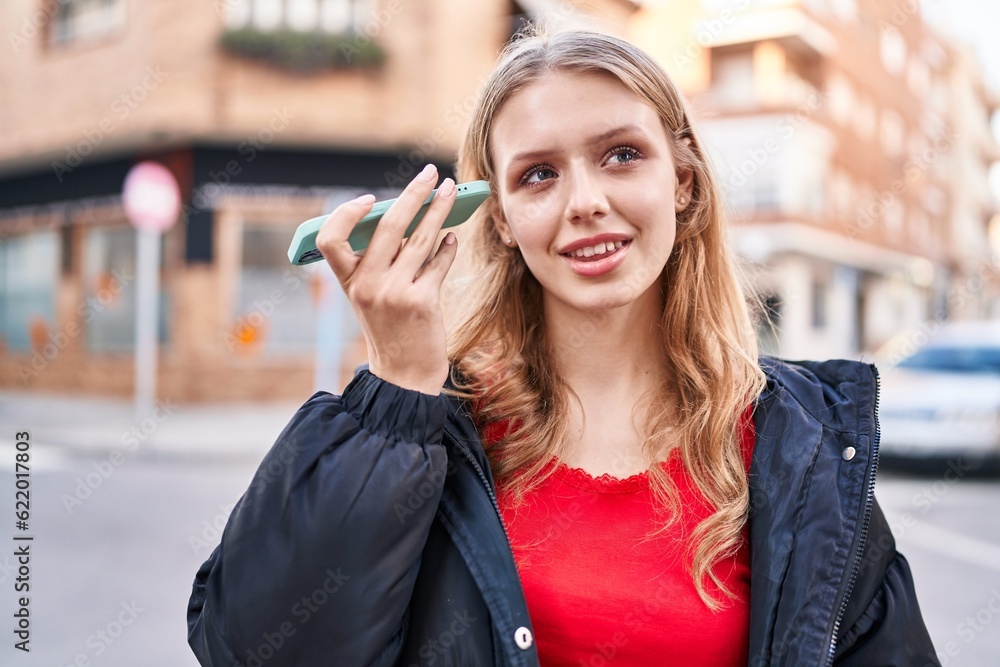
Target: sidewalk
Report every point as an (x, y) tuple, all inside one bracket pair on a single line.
[(96, 427)]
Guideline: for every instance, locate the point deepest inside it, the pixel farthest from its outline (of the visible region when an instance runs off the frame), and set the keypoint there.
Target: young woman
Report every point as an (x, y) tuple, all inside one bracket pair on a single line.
[(594, 468)]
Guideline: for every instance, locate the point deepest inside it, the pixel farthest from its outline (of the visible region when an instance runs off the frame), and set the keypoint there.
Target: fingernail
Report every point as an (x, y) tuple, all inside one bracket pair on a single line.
[(449, 238), (447, 188), (365, 199), (428, 173)]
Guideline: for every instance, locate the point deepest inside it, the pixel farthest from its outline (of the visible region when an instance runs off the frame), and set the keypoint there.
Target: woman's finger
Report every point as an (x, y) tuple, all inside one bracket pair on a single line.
[(331, 240), (390, 229), (437, 267), (420, 245)]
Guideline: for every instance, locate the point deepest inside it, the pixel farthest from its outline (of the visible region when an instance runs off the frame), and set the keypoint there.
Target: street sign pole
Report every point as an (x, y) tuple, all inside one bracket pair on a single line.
[(152, 203), (147, 301)]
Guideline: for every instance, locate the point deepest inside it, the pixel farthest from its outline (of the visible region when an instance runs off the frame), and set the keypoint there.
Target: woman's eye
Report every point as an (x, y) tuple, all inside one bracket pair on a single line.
[(538, 174), (623, 154)]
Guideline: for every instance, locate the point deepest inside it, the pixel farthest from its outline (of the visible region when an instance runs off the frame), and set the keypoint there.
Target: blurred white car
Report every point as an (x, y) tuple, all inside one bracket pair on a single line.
[(940, 396)]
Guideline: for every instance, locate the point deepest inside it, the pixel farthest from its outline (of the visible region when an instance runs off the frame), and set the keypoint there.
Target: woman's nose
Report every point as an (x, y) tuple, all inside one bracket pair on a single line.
[(586, 199)]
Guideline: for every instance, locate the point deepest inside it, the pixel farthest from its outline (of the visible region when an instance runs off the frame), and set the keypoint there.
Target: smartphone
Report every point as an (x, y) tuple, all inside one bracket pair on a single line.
[(468, 198)]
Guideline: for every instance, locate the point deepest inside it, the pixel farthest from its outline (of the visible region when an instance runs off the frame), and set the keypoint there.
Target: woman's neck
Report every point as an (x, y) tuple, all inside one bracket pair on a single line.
[(614, 363), (613, 351)]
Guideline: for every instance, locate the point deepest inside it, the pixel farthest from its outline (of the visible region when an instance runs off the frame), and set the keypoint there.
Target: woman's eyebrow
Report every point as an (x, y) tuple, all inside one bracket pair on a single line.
[(628, 128)]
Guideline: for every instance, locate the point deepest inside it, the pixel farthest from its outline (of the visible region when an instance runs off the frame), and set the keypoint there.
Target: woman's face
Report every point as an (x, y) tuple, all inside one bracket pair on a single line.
[(588, 189)]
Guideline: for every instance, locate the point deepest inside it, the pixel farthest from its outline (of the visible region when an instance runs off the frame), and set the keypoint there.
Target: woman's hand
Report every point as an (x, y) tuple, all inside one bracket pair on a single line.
[(395, 294)]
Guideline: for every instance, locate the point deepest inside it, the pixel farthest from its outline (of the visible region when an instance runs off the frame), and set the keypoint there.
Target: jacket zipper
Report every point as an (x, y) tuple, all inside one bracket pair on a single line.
[(482, 476), (869, 497)]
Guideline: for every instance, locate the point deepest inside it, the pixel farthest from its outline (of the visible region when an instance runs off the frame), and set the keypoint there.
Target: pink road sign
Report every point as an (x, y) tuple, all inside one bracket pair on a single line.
[(151, 197)]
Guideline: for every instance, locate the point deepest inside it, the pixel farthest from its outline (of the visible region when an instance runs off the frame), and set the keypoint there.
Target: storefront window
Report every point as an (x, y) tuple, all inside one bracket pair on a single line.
[(80, 20), (108, 310), (276, 303), (29, 272)]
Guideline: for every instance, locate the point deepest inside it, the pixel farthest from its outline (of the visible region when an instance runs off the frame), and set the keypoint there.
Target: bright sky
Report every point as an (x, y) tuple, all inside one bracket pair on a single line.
[(974, 21)]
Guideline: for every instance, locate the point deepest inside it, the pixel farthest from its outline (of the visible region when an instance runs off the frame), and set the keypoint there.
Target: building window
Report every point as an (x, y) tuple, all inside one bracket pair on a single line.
[(894, 216), (29, 272), (820, 290), (768, 324), (892, 48), (331, 16), (305, 35), (865, 122), (275, 311), (918, 76), (109, 308), (841, 96), (733, 76), (891, 133), (842, 192), (84, 20), (845, 10), (765, 193)]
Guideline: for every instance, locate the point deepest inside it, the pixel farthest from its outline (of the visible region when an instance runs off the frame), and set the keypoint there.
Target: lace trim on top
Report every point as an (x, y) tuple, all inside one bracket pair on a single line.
[(605, 483)]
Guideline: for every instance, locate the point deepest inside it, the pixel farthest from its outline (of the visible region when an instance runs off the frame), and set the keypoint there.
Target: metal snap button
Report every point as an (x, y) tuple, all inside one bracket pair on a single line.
[(522, 636), (848, 453)]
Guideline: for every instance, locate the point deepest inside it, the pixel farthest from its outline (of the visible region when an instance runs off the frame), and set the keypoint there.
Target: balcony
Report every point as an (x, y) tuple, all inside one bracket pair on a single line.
[(764, 20), (788, 92)]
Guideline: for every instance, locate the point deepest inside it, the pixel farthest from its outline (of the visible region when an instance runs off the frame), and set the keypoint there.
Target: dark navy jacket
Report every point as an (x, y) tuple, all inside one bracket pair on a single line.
[(370, 536)]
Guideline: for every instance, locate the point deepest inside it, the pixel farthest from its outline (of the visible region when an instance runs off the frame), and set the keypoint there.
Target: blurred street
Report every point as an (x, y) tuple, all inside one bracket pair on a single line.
[(122, 559)]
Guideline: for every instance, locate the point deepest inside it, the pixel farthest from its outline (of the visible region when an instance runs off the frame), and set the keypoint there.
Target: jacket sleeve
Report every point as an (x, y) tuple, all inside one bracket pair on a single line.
[(882, 621), (318, 560)]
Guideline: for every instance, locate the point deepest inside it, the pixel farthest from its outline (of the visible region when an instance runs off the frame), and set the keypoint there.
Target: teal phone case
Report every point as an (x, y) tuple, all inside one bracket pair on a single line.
[(303, 250)]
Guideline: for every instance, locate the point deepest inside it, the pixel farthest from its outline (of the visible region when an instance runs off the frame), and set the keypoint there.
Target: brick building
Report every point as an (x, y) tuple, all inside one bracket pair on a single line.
[(268, 112), (854, 146)]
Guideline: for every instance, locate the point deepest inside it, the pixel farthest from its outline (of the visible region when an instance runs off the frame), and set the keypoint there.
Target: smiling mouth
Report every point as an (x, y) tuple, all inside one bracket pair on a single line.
[(597, 251)]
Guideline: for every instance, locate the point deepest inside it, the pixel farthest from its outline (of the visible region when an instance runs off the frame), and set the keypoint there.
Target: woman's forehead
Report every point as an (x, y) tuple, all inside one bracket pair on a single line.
[(569, 106)]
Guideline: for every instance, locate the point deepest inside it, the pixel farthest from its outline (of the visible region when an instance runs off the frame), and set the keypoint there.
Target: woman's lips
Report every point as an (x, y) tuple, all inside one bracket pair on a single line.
[(597, 265)]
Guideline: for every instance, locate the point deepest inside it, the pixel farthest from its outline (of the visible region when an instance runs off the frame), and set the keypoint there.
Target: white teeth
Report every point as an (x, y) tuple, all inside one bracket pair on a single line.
[(599, 249)]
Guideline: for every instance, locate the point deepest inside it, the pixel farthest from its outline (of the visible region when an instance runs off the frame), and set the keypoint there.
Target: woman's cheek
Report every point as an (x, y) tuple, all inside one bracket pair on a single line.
[(535, 212)]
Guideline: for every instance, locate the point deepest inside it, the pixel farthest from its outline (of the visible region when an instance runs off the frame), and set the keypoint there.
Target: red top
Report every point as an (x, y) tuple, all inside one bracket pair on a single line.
[(598, 594)]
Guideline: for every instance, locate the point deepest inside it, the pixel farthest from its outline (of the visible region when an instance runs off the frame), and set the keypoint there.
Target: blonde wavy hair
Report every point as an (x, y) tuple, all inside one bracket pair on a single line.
[(500, 354)]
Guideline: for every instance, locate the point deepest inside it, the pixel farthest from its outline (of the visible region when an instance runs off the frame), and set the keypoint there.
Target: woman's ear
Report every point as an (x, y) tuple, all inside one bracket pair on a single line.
[(683, 183), (682, 190), (500, 223)]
